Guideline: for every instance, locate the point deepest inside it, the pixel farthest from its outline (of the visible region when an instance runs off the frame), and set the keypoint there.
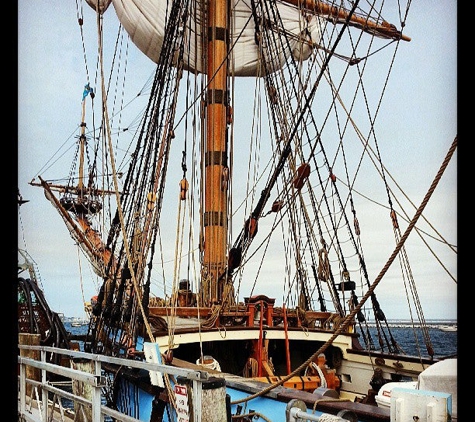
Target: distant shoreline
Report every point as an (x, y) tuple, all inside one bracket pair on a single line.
[(403, 323)]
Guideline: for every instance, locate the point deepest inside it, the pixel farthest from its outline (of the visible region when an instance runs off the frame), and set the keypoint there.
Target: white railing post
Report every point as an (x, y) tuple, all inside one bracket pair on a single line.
[(22, 389), (43, 392), (96, 394), (197, 395)]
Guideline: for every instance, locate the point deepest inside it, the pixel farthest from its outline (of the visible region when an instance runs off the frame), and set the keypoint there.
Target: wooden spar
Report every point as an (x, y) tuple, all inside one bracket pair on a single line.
[(88, 237), (384, 29), (215, 155), (72, 189), (79, 189)]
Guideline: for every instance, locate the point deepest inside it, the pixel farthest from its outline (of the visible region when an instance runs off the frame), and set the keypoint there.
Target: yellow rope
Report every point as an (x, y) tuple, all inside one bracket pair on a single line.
[(177, 261)]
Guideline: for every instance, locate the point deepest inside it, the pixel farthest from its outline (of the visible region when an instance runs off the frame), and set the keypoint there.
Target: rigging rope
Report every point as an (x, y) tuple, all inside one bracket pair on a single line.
[(116, 186), (348, 320)]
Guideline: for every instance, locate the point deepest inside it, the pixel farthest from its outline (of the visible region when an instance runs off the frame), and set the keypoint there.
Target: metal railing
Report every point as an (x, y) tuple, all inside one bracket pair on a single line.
[(296, 411), (42, 388)]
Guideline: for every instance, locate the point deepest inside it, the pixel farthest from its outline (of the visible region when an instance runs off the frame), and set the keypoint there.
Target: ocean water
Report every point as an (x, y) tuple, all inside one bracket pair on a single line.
[(444, 343)]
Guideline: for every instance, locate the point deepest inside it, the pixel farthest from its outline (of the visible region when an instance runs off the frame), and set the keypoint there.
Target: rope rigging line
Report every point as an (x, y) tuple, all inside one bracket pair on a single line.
[(360, 252), (125, 206), (240, 243), (286, 151), (118, 201), (348, 319), (372, 156)]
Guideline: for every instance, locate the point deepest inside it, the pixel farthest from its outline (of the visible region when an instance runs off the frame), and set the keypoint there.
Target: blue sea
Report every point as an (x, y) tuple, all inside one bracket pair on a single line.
[(444, 343)]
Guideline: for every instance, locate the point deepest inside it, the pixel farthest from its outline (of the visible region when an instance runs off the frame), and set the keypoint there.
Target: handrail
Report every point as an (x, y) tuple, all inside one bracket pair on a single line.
[(149, 366), (296, 411), (95, 380)]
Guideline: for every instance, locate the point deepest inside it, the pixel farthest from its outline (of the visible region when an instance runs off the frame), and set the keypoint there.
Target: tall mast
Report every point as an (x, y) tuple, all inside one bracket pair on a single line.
[(215, 217), (82, 142)]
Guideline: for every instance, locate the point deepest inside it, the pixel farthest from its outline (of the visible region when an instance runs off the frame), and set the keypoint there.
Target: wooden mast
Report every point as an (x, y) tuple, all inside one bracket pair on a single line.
[(82, 142), (80, 201), (215, 155)]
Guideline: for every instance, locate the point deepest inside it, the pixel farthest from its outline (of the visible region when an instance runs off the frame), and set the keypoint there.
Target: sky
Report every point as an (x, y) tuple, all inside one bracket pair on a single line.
[(51, 77)]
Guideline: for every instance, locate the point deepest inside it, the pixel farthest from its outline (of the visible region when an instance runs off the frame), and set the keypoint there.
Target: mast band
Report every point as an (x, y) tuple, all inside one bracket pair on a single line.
[(216, 158), (216, 96), (213, 218), (217, 33)]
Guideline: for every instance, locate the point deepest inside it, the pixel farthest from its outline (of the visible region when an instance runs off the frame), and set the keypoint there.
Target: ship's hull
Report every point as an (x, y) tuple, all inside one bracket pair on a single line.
[(134, 400)]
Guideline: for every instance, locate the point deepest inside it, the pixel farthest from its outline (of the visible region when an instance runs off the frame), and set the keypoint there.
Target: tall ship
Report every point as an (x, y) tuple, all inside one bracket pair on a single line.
[(230, 232)]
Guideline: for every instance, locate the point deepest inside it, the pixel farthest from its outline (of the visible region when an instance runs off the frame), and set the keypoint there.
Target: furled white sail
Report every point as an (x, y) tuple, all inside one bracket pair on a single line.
[(145, 20)]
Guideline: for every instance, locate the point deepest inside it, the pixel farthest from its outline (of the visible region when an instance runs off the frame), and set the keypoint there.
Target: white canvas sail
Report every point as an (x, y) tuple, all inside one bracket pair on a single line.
[(145, 22)]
